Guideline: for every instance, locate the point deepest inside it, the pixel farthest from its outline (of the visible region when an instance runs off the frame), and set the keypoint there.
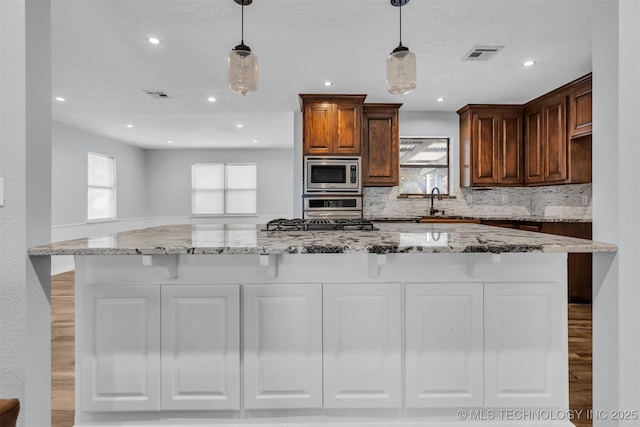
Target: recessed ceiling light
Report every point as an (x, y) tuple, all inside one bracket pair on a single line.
[(441, 99), (239, 125), (255, 141), (528, 63), (211, 99), (129, 126), (60, 99), (153, 40), (169, 142), (328, 83)]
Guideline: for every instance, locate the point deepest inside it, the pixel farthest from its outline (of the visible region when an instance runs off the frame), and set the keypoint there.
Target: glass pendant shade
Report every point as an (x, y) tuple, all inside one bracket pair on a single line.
[(243, 70), (401, 71)]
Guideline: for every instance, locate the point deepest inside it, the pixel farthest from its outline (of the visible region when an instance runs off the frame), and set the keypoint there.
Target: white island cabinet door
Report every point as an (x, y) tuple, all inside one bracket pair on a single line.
[(526, 345), (282, 346), (444, 363), (362, 345), (200, 347), (119, 353)]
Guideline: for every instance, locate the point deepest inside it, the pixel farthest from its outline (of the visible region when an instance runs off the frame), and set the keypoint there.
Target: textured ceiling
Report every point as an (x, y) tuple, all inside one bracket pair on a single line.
[(102, 62)]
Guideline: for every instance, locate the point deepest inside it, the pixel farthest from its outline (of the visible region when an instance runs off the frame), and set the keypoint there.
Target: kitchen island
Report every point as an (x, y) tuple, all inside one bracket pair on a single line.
[(421, 324)]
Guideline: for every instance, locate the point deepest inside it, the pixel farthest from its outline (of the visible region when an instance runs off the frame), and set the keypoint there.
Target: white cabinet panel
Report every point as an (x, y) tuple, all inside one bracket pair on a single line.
[(525, 343), (282, 346), (200, 347), (119, 352), (362, 345), (444, 363)]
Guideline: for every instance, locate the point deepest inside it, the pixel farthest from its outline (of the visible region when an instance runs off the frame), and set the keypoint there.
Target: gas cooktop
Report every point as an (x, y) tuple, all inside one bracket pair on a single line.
[(319, 224)]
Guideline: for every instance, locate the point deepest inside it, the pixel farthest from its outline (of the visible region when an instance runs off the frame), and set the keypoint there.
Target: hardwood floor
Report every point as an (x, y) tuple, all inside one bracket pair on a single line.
[(580, 358), (63, 360), (62, 350)]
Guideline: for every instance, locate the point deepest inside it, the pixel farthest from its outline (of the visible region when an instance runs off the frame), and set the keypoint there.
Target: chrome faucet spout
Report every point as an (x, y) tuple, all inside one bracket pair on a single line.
[(437, 190)]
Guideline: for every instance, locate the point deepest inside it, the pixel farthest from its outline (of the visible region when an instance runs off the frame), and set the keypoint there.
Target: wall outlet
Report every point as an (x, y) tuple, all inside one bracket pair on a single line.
[(585, 200), (505, 198)]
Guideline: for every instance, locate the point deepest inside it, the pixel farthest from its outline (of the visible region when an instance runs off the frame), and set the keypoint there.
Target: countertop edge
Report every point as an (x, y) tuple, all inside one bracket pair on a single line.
[(377, 249), (389, 238)]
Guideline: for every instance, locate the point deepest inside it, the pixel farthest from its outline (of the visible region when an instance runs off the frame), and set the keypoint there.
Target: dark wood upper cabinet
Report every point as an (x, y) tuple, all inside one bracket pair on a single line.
[(511, 154), (545, 142), (484, 147), (580, 108), (554, 123), (380, 150), (580, 127), (533, 150), (332, 124), (491, 145)]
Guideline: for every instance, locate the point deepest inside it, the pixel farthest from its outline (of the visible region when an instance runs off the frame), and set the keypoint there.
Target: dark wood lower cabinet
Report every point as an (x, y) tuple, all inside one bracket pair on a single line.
[(579, 265), (580, 278)]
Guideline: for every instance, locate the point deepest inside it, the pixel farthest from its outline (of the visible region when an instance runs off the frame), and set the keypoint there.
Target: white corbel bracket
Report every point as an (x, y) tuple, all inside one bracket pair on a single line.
[(375, 263), (170, 262), (472, 261), (271, 262)]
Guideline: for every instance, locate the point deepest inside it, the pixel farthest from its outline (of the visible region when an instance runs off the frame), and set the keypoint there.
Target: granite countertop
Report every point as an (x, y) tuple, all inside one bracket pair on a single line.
[(529, 218), (390, 237)]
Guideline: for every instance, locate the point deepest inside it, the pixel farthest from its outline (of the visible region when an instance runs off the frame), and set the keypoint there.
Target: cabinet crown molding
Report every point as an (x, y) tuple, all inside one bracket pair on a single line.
[(319, 97)]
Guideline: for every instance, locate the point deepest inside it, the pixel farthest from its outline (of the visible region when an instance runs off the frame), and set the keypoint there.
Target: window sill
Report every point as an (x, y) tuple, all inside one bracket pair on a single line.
[(223, 215), (94, 221)]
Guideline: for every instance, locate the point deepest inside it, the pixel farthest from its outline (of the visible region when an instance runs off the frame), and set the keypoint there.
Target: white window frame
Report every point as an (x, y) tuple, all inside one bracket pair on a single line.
[(225, 189), (113, 189), (445, 191)]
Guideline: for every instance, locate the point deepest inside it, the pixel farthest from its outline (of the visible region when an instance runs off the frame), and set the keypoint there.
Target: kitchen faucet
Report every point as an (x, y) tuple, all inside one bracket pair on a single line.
[(433, 211)]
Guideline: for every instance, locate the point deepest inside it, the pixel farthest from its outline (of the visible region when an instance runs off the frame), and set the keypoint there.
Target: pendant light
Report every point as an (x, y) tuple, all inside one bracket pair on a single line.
[(401, 63), (243, 64)]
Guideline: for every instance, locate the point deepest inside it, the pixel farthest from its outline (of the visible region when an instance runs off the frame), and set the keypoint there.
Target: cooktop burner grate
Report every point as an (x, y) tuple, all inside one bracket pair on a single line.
[(319, 224)]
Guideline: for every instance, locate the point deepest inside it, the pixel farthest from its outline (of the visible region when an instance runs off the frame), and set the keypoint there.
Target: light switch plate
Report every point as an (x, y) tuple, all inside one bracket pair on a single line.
[(1, 192)]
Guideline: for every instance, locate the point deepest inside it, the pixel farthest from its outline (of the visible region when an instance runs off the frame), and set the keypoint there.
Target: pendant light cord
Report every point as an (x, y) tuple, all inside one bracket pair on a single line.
[(242, 25), (400, 22)]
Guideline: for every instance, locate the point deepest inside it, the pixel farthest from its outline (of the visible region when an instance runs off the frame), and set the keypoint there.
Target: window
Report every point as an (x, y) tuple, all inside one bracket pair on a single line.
[(101, 194), (219, 188), (424, 165)]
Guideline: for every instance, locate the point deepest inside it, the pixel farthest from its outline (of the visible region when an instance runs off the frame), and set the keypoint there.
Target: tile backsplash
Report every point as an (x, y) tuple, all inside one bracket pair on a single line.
[(558, 201)]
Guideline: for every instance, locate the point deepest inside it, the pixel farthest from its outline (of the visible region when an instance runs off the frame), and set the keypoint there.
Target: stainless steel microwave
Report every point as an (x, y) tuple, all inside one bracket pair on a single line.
[(332, 175)]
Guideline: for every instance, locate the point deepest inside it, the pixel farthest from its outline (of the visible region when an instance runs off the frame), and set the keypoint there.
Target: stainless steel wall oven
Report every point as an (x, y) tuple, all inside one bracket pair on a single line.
[(332, 187), (333, 207), (332, 175)]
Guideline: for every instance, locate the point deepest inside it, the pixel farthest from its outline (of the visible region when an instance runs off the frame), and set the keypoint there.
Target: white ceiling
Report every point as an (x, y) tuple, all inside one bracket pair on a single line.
[(102, 61)]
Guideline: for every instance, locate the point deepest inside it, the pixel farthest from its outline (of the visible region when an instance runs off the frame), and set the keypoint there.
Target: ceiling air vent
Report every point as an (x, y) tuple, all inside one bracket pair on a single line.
[(158, 94), (482, 53)]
